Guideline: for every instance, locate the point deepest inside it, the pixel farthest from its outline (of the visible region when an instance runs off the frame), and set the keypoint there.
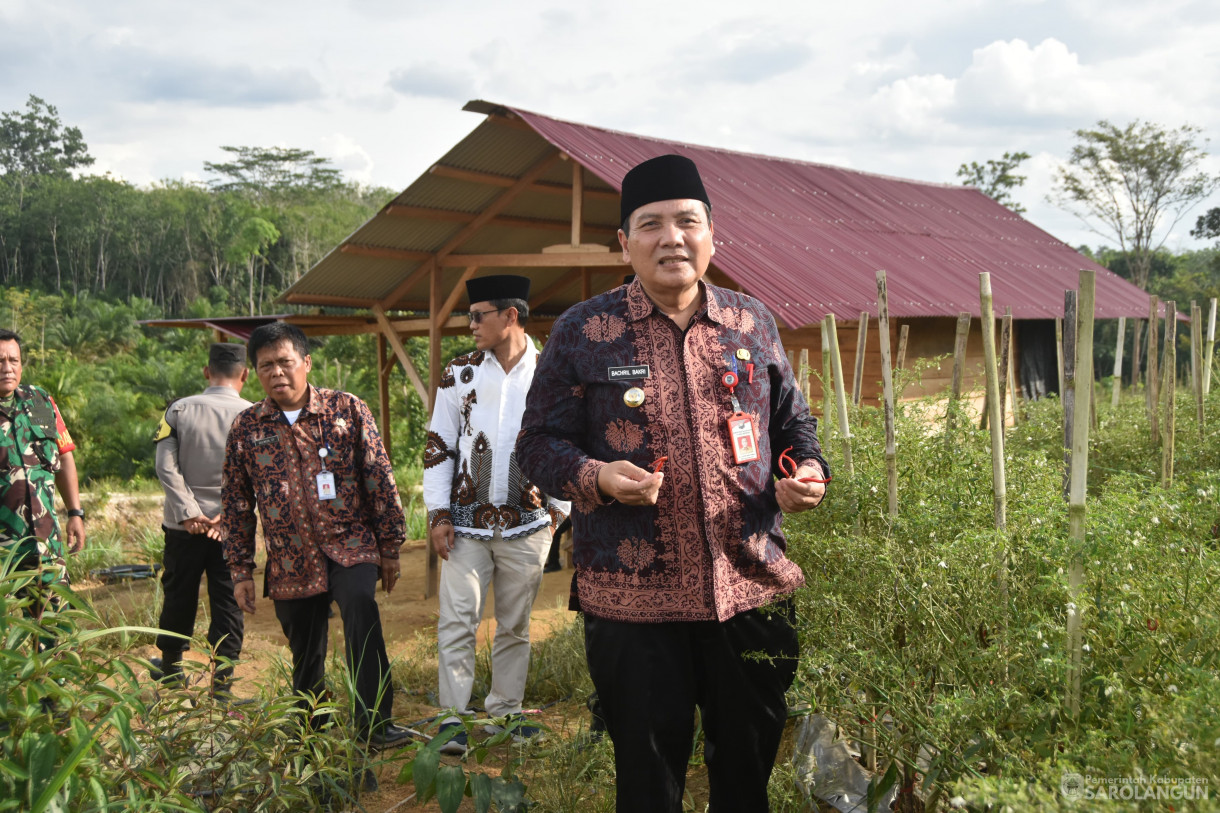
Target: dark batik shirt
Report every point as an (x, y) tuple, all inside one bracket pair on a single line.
[(274, 465), (712, 547)]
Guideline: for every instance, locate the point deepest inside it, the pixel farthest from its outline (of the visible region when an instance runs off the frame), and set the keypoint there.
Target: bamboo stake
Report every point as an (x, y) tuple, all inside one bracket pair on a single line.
[(1196, 360), (857, 379), (804, 372), (840, 393), (1005, 358), (1080, 476), (993, 395), (1209, 348), (1069, 393), (905, 330), (1118, 363), (959, 361), (887, 391), (1170, 366), (1153, 389), (828, 387), (1015, 397)]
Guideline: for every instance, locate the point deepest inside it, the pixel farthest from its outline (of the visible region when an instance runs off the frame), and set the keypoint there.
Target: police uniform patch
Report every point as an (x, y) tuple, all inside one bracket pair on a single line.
[(164, 430)]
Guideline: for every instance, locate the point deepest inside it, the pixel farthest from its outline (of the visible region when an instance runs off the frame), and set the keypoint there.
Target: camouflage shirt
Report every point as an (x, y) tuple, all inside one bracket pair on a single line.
[(32, 437)]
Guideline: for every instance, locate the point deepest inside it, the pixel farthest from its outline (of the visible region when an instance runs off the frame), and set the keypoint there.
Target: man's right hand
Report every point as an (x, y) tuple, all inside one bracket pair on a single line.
[(244, 593), (629, 484), (442, 540)]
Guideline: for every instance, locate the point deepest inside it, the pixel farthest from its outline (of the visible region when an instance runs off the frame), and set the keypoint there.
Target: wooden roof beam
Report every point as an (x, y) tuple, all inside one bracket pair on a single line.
[(490, 179), (611, 261), (380, 252), (449, 215)]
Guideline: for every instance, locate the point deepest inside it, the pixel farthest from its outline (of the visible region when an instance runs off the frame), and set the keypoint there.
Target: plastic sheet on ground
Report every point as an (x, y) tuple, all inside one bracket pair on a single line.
[(826, 769)]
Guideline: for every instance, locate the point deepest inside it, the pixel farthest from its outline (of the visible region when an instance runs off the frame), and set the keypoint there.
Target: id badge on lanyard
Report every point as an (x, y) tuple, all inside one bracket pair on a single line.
[(743, 434), (325, 478)]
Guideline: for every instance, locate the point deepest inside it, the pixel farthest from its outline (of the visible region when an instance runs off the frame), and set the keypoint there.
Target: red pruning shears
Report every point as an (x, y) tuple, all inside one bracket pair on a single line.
[(659, 464), (788, 466)]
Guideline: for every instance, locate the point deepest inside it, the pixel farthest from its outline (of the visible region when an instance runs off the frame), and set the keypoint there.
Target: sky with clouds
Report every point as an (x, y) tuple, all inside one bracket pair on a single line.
[(911, 89)]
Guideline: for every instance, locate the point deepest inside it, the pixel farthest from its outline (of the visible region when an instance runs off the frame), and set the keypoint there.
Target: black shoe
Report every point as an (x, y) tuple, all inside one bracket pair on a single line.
[(454, 737), (172, 676), (552, 567), (388, 736), (523, 733), (368, 781)]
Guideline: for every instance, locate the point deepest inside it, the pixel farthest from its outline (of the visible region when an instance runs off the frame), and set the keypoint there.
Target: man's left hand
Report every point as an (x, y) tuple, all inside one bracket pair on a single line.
[(76, 534), (390, 570), (794, 496)]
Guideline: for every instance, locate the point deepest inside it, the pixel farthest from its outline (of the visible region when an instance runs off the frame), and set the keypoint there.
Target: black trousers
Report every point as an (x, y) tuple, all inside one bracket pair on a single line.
[(305, 623), (187, 558), (649, 679)]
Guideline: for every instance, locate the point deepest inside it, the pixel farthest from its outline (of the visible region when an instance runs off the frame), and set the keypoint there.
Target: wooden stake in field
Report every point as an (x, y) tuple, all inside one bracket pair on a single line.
[(959, 362), (999, 488), (804, 372), (1209, 349), (905, 330), (1196, 360), (828, 386), (840, 393), (1170, 364), (857, 378), (1153, 390), (1005, 361), (1069, 394), (887, 391), (1059, 353), (1118, 363), (1079, 484)]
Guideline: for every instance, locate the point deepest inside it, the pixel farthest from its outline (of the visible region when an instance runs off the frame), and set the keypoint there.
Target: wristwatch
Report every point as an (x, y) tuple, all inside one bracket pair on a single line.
[(76, 512)]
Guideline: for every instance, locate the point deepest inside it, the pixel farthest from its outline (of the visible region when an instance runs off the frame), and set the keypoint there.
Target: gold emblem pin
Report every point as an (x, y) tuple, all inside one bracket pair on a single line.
[(633, 397), (743, 354)]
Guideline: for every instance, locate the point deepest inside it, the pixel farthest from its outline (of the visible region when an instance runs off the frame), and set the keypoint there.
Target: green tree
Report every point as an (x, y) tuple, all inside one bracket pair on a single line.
[(996, 178), (36, 142), (1207, 225), (1133, 184), (260, 171)]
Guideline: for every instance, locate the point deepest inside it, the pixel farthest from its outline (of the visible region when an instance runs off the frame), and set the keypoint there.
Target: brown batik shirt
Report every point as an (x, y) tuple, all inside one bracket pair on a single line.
[(712, 546), (274, 465)]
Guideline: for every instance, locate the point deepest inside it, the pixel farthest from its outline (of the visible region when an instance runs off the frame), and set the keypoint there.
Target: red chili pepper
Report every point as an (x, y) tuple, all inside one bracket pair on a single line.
[(788, 466), (659, 463)]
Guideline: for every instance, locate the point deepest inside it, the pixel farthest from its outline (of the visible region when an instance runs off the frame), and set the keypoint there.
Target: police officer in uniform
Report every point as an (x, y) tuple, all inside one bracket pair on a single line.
[(190, 459)]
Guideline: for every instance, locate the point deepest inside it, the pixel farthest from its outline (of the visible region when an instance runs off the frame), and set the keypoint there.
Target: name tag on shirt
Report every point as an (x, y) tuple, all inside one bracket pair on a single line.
[(326, 485), (631, 371)]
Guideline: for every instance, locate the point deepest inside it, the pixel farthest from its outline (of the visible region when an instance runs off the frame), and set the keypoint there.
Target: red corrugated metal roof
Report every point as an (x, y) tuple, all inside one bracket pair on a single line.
[(807, 239)]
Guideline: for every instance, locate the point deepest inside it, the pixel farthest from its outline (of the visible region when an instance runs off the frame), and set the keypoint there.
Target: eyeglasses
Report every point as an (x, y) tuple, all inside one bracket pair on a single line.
[(476, 317)]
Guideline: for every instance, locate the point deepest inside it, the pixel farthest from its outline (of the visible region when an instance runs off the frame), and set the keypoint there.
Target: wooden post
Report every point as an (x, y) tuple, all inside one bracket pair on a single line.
[(1118, 363), (903, 332), (578, 198), (803, 372), (828, 385), (1209, 348), (959, 361), (1153, 390), (1059, 354), (1069, 394), (1080, 476), (1196, 360), (1136, 329), (995, 418), (383, 394), (840, 393), (433, 576), (1170, 371), (887, 392), (1014, 397), (857, 379), (1005, 359)]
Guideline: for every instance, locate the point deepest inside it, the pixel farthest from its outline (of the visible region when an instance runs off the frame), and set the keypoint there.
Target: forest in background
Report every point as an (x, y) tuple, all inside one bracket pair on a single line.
[(83, 258)]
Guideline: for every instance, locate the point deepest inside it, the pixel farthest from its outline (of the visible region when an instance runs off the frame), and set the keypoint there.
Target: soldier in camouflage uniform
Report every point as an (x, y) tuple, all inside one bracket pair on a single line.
[(35, 458)]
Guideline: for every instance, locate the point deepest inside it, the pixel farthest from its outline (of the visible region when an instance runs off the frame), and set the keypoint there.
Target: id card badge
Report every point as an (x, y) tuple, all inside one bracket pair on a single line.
[(743, 438), (326, 485)]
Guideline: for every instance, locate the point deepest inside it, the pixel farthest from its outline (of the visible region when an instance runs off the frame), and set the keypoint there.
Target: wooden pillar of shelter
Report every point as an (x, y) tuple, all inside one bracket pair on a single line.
[(436, 319), (383, 394)]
